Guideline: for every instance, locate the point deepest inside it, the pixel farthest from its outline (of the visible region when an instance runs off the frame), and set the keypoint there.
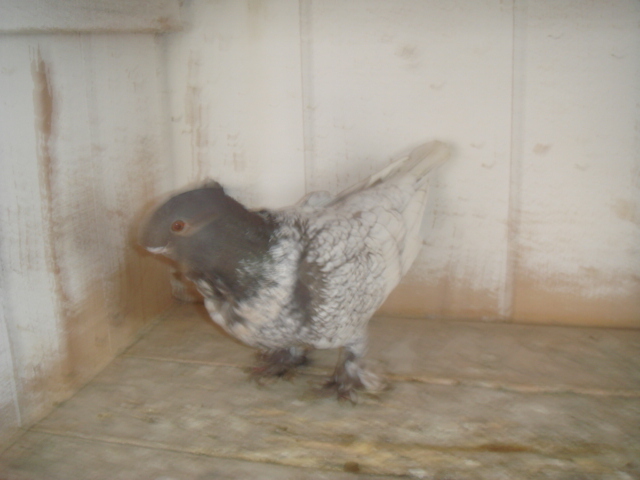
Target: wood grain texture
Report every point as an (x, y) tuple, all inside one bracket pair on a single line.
[(470, 401)]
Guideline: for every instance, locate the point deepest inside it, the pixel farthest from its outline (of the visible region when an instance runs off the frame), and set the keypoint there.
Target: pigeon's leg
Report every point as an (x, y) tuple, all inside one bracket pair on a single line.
[(350, 376), (279, 363)]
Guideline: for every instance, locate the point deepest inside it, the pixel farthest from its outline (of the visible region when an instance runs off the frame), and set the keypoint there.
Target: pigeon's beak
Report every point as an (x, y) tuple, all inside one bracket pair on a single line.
[(151, 239), (147, 240), (158, 250)]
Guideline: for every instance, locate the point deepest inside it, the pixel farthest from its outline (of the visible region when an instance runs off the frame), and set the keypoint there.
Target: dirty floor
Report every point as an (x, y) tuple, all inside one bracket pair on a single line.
[(468, 401)]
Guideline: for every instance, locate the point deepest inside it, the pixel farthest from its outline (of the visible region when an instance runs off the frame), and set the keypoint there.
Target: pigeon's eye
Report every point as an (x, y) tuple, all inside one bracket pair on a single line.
[(177, 226)]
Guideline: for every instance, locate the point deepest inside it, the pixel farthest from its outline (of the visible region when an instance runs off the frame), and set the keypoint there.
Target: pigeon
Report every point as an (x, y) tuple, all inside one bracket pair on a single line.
[(309, 276)]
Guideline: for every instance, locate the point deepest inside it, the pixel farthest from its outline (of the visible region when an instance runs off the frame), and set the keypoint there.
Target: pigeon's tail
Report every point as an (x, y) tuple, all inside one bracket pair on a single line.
[(413, 168), (411, 174), (417, 165)]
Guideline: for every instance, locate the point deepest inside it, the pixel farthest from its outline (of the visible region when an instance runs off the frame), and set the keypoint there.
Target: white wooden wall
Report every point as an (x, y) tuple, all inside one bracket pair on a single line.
[(82, 149), (536, 219)]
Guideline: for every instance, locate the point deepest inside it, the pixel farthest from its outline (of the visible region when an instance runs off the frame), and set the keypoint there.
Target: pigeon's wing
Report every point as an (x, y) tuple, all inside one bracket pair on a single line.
[(416, 166), (386, 210), (412, 169), (314, 200)]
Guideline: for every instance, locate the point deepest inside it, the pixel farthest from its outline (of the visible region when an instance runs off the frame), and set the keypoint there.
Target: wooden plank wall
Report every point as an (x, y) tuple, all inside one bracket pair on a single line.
[(82, 150), (537, 219)]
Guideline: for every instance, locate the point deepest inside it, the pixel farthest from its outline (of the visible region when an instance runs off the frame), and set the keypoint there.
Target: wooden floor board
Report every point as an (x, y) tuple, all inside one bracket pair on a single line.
[(468, 402)]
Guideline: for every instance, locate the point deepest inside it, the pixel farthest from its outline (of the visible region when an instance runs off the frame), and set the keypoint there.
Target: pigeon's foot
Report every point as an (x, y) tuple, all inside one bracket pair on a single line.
[(349, 378), (278, 364)]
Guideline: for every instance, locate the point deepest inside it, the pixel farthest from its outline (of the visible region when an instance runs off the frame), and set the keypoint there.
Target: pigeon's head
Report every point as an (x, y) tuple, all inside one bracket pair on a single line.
[(177, 222)]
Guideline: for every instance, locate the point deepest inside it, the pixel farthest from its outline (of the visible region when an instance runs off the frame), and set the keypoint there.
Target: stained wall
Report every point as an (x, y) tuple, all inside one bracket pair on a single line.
[(536, 219), (82, 149)]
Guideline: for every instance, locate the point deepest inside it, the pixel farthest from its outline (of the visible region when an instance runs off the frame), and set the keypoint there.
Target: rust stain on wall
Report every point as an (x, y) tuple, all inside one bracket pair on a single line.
[(534, 302), (442, 297), (197, 118), (537, 301), (44, 112), (541, 149), (626, 210), (105, 292), (79, 355), (139, 289), (48, 384)]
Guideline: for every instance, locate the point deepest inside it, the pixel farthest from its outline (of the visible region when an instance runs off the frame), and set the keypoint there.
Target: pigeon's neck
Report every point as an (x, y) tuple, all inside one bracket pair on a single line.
[(225, 247)]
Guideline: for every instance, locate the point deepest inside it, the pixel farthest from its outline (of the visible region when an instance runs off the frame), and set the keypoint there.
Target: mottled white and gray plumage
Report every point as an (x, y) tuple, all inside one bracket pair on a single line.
[(305, 277)]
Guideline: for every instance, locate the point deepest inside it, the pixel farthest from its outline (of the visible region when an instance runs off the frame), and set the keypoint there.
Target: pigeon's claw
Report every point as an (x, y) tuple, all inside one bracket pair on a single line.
[(278, 364), (350, 377), (345, 390)]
